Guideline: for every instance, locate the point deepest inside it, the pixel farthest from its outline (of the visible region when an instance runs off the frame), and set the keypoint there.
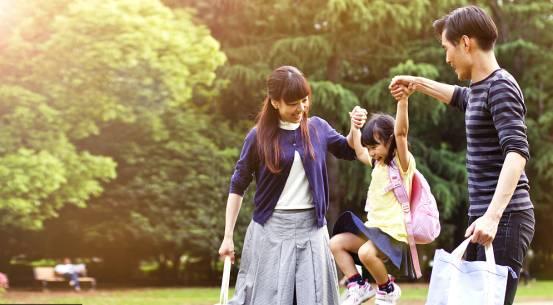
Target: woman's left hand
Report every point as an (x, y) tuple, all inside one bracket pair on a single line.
[(358, 117), (227, 249)]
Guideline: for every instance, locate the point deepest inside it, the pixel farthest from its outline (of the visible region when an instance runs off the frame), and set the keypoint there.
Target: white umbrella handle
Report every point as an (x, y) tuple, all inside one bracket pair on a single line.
[(223, 297)]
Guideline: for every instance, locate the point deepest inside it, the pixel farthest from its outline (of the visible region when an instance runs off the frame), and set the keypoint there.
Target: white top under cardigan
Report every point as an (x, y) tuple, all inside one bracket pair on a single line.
[(296, 193)]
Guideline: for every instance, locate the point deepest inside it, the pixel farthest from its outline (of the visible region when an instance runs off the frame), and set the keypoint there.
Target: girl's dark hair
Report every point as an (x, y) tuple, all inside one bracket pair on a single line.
[(285, 83), (471, 21), (380, 129)]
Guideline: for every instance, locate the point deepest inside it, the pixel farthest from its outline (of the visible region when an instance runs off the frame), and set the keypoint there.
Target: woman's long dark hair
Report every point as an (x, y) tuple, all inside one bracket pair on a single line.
[(285, 83), (380, 129)]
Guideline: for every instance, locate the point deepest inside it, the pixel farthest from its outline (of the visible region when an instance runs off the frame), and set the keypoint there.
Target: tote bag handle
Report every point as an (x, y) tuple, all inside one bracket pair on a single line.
[(490, 265), (223, 297)]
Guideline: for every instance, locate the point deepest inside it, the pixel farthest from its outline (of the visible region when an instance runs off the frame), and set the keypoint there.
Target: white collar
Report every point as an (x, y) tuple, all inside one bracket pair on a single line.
[(288, 125)]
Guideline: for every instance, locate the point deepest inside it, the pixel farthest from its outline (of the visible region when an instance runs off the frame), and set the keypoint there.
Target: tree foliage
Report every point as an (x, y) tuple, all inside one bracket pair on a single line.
[(351, 49), (95, 84), (125, 117)]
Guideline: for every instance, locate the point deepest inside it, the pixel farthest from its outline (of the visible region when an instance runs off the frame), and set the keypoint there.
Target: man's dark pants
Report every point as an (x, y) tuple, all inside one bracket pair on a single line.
[(514, 234)]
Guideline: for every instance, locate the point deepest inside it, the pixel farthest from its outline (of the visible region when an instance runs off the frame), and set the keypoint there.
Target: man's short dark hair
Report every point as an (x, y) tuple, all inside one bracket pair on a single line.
[(471, 21)]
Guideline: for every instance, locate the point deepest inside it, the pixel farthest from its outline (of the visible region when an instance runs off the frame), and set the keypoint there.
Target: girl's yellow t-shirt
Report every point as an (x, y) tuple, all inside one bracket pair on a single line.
[(383, 209)]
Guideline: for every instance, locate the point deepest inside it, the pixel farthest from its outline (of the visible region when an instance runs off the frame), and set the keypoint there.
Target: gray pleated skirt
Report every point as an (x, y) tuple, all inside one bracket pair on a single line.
[(288, 252)]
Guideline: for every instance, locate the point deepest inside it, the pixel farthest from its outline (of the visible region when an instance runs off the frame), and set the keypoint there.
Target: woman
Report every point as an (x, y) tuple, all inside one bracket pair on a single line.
[(286, 244)]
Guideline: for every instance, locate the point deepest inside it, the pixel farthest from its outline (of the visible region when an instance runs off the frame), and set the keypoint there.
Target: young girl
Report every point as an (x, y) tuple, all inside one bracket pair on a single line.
[(381, 143)]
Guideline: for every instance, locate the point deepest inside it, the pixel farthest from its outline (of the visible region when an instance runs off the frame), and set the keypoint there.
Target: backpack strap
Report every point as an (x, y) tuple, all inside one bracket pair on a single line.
[(396, 184)]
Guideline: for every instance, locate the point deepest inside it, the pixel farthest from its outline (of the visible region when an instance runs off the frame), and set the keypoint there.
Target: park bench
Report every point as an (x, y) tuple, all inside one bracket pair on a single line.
[(47, 275)]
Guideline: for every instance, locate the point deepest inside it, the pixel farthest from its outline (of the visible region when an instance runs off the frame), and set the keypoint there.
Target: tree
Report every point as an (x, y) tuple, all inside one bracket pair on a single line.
[(351, 49), (41, 170), (148, 88), (92, 84)]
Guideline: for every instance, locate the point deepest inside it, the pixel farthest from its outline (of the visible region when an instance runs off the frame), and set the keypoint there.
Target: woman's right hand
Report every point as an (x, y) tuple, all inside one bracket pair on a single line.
[(227, 249)]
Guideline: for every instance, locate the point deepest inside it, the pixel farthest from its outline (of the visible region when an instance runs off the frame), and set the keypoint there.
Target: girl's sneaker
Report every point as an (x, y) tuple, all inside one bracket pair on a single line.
[(357, 294), (384, 298)]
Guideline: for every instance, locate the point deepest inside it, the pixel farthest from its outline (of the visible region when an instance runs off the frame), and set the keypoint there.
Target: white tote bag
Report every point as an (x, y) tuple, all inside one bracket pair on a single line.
[(458, 282), (223, 297)]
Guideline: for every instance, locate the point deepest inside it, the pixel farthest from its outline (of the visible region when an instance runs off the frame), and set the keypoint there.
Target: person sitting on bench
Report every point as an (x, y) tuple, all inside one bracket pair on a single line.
[(70, 272)]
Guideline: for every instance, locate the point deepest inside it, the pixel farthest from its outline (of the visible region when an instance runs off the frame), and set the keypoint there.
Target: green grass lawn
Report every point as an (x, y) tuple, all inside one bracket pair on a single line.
[(412, 295)]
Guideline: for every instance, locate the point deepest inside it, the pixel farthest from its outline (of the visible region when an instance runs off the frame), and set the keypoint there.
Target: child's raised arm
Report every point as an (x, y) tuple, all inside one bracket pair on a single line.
[(361, 152), (401, 129)]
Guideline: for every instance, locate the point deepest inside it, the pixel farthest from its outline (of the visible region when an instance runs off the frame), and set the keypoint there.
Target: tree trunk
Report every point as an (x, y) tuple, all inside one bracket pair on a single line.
[(504, 36), (335, 192), (175, 270), (502, 26), (4, 263), (333, 68)]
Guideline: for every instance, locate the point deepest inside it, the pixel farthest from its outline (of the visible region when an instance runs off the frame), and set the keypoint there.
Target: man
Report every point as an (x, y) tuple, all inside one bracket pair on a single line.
[(500, 208)]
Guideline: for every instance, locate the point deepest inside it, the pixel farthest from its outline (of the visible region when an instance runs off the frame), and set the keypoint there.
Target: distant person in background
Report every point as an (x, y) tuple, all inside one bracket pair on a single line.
[(70, 272)]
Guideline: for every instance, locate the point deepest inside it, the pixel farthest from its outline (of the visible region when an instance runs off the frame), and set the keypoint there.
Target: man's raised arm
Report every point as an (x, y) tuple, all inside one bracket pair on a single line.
[(440, 91)]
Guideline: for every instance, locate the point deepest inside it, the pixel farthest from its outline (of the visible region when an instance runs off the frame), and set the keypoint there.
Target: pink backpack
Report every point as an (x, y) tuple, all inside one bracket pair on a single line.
[(421, 216)]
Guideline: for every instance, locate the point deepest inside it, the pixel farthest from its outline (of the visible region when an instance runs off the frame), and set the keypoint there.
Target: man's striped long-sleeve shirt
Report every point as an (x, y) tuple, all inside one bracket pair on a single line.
[(494, 117)]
